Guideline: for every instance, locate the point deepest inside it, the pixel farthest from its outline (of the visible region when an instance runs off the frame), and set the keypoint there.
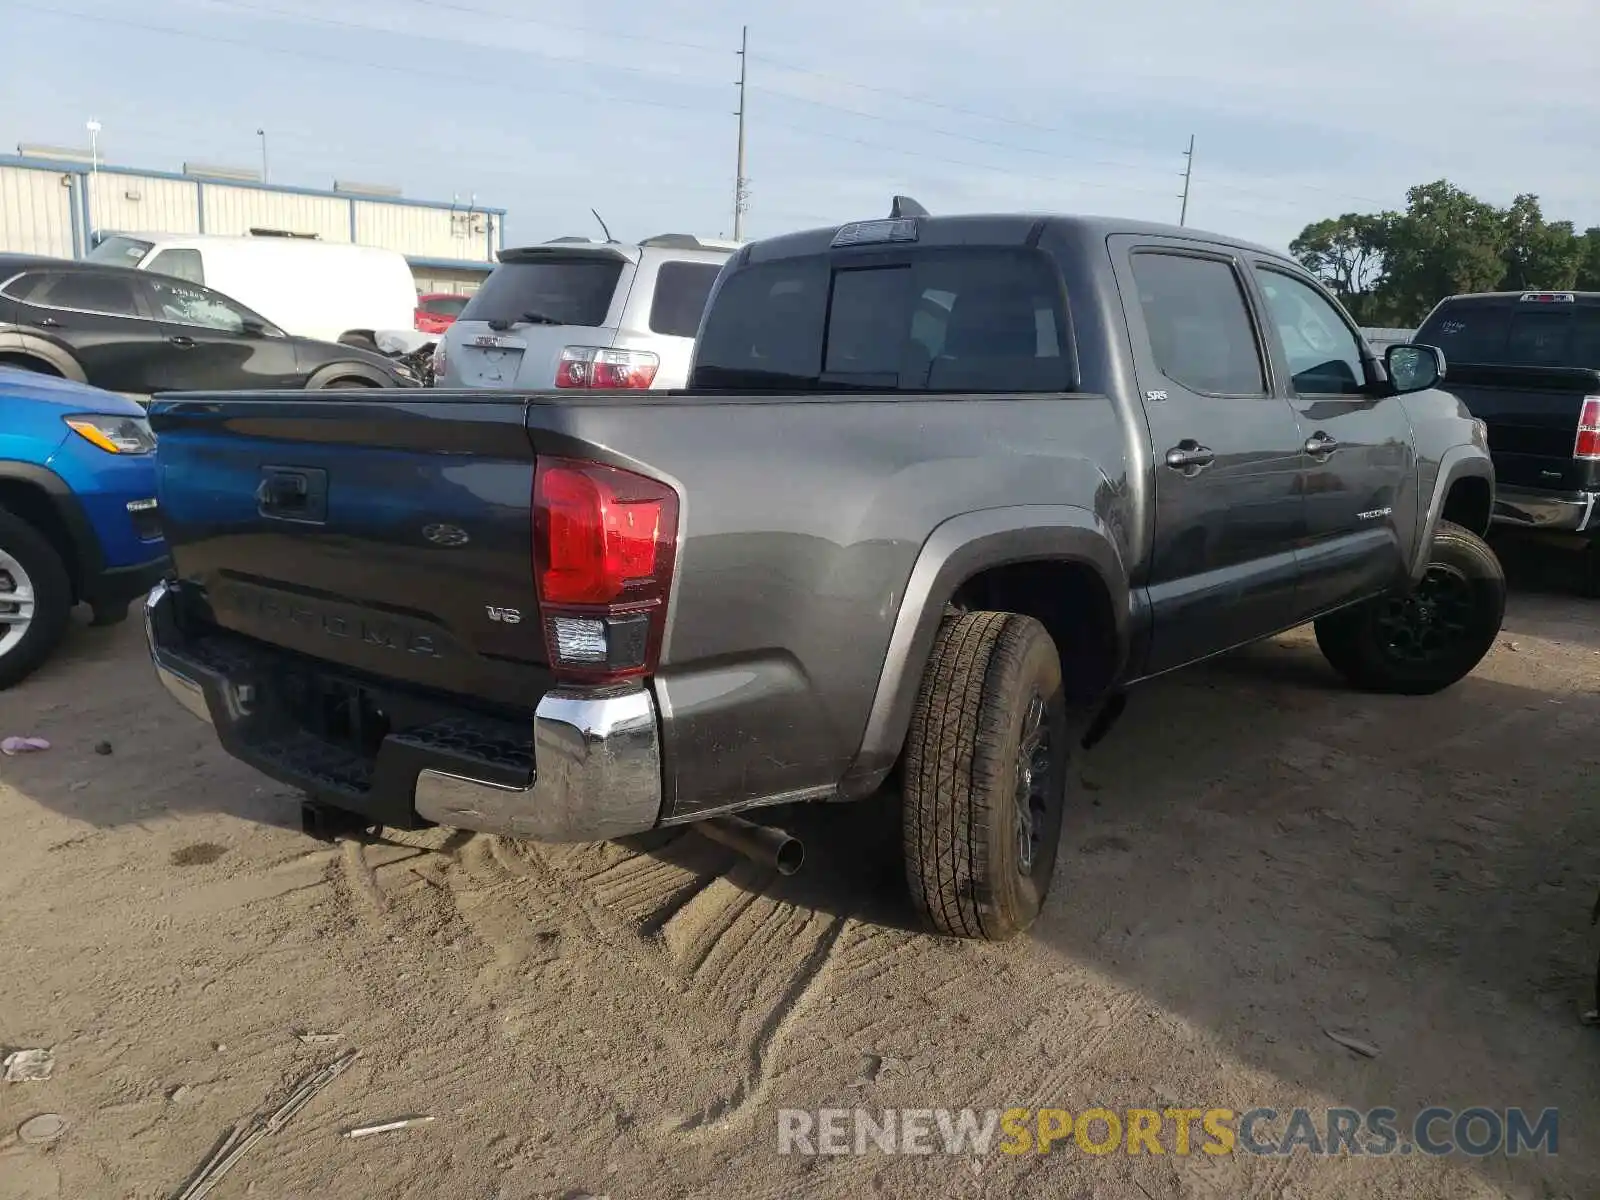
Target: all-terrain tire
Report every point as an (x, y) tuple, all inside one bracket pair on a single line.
[(51, 589), (1355, 642), (980, 695)]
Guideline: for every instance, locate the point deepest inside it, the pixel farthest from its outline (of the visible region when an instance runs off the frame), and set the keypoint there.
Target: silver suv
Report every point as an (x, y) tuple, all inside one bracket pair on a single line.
[(579, 314)]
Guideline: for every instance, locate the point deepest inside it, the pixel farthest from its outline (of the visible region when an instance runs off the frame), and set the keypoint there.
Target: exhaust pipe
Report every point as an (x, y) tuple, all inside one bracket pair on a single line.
[(762, 843)]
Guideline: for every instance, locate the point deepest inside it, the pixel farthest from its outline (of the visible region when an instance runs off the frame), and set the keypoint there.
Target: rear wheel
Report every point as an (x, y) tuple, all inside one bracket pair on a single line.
[(35, 599), (986, 764), (1428, 639)]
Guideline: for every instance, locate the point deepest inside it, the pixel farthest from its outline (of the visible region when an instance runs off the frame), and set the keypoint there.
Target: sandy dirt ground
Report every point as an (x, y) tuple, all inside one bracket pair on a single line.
[(1260, 855)]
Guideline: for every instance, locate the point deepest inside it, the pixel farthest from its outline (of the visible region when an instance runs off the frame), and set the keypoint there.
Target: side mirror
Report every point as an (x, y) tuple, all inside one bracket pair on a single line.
[(260, 329), (1414, 368)]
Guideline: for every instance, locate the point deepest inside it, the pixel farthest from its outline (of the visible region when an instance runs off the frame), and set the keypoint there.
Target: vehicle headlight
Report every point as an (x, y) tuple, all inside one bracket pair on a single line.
[(115, 435)]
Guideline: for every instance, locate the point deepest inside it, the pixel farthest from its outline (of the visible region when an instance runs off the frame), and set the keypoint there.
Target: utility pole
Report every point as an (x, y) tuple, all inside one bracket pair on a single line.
[(741, 194), (1188, 170), (262, 134)]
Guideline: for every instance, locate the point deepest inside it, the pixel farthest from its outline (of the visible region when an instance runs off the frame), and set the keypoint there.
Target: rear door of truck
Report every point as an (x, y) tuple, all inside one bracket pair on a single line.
[(389, 538)]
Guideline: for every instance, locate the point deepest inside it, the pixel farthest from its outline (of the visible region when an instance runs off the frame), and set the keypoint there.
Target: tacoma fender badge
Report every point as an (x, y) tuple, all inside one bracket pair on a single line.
[(1374, 514)]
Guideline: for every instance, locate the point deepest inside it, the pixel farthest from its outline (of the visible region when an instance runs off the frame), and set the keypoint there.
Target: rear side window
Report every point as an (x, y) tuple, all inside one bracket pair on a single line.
[(180, 264), (1200, 328), (937, 321), (680, 299), (84, 291), (1516, 333), (554, 290)]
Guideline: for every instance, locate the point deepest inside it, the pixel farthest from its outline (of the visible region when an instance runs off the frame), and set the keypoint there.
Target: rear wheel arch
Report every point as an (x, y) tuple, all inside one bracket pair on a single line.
[(980, 561), (1070, 599), (34, 354)]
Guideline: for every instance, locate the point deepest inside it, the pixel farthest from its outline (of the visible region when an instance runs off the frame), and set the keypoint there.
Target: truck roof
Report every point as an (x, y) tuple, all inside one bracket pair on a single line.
[(996, 229), (1577, 296)]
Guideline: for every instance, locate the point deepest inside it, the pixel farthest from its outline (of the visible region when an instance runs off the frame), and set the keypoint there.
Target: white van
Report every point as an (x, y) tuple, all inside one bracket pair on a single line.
[(332, 291)]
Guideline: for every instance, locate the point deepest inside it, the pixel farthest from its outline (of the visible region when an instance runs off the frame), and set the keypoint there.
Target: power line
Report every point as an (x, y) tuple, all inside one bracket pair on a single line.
[(342, 60), (611, 64), (1058, 180), (478, 81), (361, 27)]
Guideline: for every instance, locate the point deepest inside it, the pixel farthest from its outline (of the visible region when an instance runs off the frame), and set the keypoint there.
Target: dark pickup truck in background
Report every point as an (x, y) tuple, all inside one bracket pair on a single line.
[(939, 489), (1528, 365)]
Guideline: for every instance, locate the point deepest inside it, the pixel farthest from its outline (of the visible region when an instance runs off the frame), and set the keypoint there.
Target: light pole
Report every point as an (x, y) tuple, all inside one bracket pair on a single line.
[(262, 134), (93, 126)]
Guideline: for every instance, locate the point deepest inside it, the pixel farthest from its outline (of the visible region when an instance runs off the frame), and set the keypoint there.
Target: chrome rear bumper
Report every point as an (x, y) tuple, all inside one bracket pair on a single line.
[(1557, 512), (596, 754)]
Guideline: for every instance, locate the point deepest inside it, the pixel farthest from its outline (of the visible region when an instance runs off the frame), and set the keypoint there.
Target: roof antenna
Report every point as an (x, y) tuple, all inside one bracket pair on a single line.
[(905, 206), (609, 239)]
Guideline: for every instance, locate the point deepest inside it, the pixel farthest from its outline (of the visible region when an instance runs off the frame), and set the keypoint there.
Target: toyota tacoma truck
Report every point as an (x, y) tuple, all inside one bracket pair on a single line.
[(940, 488)]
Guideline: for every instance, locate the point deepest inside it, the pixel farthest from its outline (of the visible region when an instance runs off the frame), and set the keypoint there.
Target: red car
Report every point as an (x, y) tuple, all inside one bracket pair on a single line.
[(437, 311)]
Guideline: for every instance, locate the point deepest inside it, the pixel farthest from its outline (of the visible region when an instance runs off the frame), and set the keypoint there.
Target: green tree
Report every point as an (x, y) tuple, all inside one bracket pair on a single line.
[(1346, 253), (1446, 242), (1538, 253), (1589, 261)]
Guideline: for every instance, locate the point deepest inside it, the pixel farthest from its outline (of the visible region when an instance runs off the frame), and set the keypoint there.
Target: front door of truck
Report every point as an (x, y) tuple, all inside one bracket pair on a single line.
[(1226, 453), (1360, 470)]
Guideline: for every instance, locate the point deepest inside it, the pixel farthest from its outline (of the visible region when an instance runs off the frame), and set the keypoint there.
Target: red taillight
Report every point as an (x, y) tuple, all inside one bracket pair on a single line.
[(1586, 445), (604, 545), (598, 367)]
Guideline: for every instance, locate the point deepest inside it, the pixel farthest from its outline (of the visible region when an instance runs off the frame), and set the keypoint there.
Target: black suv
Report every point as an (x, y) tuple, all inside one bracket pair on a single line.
[(142, 332)]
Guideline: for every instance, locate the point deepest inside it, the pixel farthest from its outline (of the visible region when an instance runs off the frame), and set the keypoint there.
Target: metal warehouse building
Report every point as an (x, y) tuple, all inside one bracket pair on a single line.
[(61, 202)]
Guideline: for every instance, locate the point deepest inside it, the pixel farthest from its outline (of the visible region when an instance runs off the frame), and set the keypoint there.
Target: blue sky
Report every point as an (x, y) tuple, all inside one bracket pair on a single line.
[(1300, 110)]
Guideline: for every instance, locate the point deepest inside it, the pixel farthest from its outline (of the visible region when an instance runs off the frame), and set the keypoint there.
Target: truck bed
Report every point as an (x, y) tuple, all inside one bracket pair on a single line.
[(801, 517)]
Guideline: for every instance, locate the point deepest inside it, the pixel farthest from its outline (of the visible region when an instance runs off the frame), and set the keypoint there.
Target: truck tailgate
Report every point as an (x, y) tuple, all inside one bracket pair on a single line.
[(388, 537), (1532, 414)]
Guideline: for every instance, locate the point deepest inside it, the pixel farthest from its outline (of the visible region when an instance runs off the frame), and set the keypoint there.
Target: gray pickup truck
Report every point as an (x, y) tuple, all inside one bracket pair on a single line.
[(939, 490)]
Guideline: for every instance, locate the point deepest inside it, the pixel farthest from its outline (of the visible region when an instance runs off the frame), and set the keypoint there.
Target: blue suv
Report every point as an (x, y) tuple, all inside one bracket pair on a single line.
[(78, 518)]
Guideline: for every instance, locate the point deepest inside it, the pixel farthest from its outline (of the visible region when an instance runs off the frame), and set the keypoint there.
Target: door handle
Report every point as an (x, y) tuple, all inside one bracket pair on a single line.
[(1190, 457), (1320, 445), (182, 342)]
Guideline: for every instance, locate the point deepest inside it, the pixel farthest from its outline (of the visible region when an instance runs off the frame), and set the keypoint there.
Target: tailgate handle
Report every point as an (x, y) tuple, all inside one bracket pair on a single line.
[(293, 494)]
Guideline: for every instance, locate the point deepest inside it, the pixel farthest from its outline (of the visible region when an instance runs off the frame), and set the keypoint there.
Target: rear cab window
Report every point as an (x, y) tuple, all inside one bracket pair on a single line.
[(1510, 331), (680, 297), (933, 319), (547, 290)]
